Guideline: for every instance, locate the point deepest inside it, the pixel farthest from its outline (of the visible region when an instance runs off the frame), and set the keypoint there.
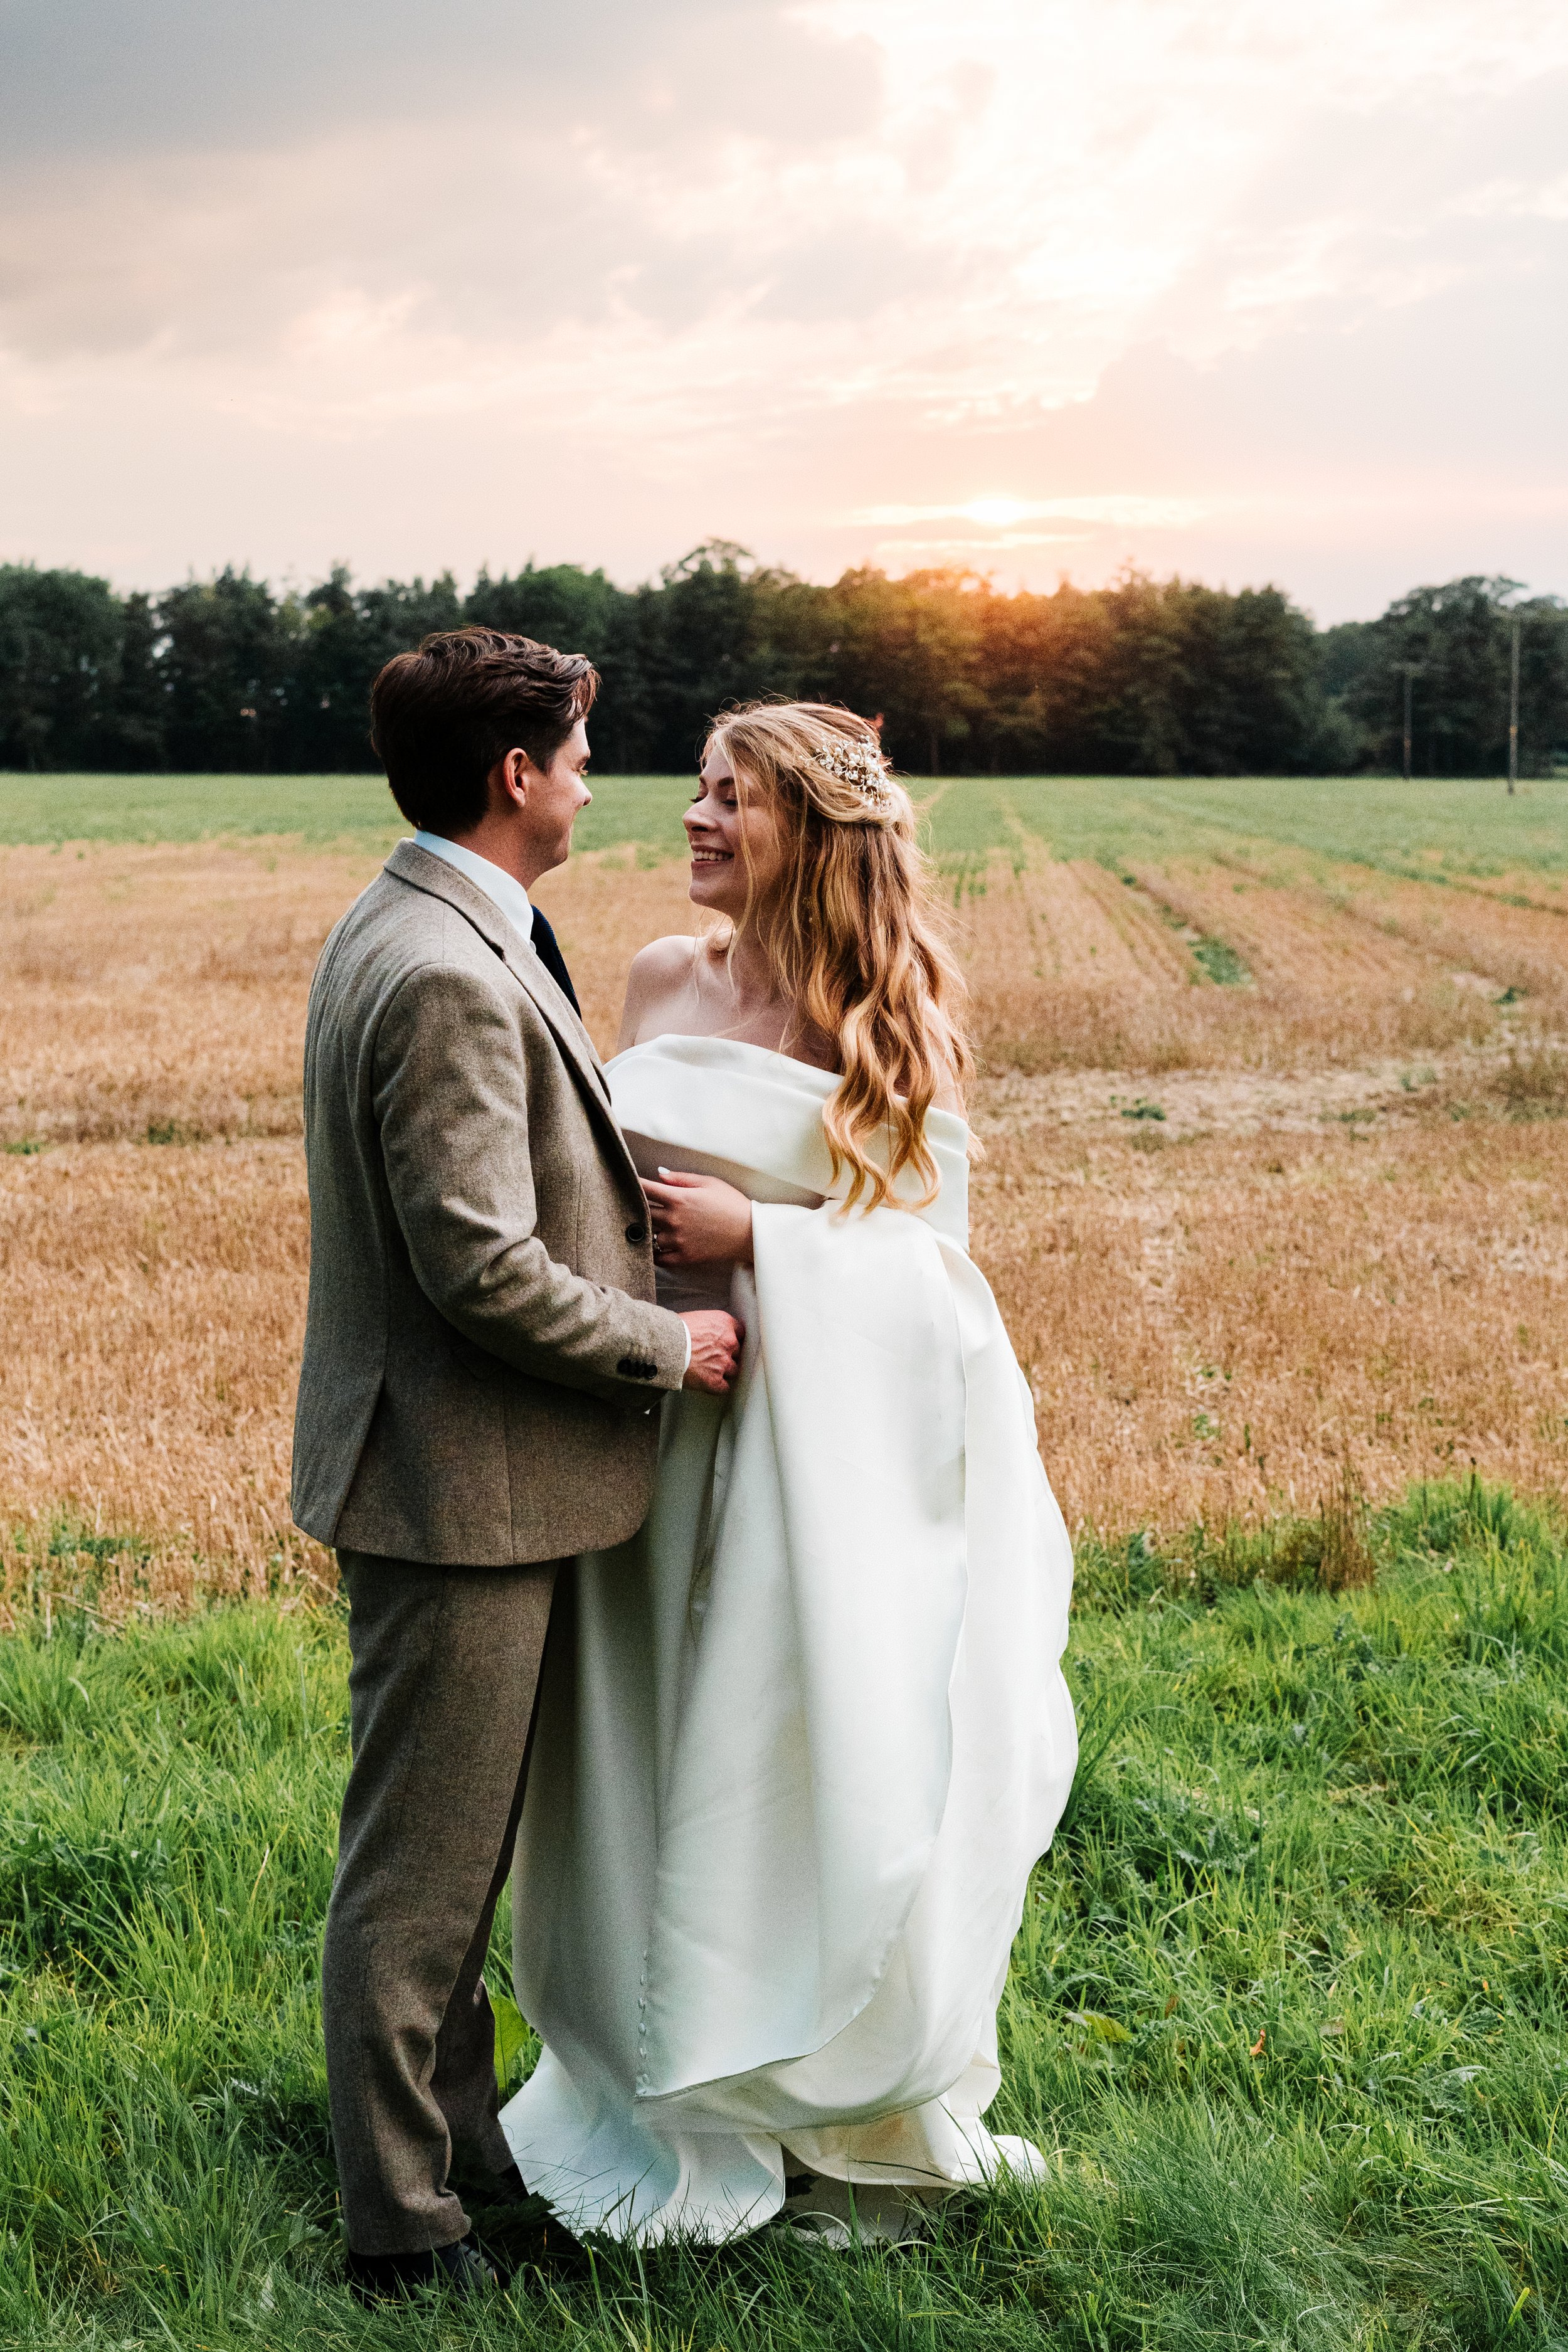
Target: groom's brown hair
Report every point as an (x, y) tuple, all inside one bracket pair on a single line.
[(441, 717)]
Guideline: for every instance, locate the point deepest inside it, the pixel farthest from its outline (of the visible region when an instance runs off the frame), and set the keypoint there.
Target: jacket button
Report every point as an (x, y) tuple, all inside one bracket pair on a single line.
[(636, 1232)]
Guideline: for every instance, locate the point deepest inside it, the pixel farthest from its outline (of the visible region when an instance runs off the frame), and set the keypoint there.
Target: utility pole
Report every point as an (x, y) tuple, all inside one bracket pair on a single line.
[(1513, 706), (1408, 670)]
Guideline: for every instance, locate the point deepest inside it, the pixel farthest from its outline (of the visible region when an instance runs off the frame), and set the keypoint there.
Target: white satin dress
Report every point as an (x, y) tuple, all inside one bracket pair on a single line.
[(803, 1740)]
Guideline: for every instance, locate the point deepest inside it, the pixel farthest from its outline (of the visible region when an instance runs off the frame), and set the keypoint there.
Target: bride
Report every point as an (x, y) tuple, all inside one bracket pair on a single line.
[(801, 1742)]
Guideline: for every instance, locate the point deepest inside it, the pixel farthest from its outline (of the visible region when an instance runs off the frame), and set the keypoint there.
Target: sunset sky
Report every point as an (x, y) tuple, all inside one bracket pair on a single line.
[(1249, 290)]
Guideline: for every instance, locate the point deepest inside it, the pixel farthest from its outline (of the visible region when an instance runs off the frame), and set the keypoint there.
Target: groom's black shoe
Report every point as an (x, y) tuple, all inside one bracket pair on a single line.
[(517, 2229), (460, 2270), (492, 2189)]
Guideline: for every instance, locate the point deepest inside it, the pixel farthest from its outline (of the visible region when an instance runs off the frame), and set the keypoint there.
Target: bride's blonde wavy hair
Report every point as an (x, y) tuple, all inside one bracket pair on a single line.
[(851, 931)]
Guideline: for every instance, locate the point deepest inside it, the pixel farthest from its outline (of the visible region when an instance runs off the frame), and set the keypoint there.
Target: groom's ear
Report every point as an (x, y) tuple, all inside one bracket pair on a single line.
[(507, 780)]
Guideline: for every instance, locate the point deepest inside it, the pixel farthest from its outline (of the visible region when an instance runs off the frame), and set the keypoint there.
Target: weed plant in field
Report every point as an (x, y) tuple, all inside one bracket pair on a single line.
[(1287, 2011)]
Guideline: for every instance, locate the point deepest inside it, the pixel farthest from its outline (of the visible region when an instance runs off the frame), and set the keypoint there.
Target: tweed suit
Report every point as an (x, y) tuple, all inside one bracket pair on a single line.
[(482, 1367), (480, 1346)]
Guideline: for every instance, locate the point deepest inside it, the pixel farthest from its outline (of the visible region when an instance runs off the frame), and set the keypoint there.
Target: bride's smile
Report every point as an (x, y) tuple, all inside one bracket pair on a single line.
[(736, 854)]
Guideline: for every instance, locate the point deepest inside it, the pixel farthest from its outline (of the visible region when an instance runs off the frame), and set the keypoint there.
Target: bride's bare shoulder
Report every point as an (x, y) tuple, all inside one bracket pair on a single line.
[(660, 971), (667, 958)]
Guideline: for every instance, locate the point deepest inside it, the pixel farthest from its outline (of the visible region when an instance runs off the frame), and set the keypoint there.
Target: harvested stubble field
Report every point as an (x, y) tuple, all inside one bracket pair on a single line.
[(1273, 1194)]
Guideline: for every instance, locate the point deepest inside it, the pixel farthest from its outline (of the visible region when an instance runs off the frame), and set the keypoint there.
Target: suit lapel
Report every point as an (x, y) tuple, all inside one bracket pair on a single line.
[(525, 966), (413, 864)]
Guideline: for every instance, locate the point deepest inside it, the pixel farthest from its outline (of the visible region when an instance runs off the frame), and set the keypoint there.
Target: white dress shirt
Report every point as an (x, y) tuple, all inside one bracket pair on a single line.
[(503, 890)]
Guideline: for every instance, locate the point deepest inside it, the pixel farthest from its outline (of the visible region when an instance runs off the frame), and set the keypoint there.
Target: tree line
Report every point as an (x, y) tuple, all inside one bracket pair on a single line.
[(1143, 677)]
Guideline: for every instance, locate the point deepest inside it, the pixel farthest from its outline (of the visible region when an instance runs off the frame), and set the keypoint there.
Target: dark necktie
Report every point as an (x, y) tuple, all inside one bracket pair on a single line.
[(554, 962)]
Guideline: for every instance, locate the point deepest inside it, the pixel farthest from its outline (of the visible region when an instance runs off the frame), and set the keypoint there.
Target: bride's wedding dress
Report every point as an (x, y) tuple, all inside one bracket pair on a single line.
[(801, 1742)]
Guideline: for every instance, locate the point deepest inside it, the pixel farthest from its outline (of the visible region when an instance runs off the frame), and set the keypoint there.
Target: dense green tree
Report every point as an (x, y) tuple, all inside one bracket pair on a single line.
[(911, 649), (135, 735), (332, 661), (1345, 651), (700, 641), (583, 613), (61, 635), (336, 638), (225, 666), (559, 603), (1457, 640), (1146, 676), (1045, 664)]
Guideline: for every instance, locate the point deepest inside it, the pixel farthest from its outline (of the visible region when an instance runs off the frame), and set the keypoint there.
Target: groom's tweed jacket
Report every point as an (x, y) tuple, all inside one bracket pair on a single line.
[(482, 1354)]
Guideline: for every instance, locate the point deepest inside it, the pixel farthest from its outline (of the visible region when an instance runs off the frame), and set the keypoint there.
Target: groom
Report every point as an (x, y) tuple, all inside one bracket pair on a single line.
[(478, 1401)]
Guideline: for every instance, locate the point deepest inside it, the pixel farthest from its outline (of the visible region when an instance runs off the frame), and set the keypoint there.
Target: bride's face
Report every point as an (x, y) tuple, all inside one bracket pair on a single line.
[(723, 873)]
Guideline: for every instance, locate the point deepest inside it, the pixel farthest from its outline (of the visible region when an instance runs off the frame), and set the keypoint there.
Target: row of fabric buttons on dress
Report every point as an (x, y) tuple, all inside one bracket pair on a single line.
[(642, 2021)]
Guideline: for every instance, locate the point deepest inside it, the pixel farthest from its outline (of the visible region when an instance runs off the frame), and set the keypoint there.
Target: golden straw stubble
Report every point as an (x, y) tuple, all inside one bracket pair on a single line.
[(1213, 1330), (1322, 1254), (155, 1301)]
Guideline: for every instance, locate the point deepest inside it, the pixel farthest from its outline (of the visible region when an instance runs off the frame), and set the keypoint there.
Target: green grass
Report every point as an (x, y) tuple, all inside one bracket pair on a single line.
[(1432, 829), (1287, 2010), (1427, 828), (321, 812)]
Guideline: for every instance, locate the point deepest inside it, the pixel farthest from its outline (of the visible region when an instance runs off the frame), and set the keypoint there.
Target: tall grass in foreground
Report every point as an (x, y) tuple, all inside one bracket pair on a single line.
[(1287, 2011)]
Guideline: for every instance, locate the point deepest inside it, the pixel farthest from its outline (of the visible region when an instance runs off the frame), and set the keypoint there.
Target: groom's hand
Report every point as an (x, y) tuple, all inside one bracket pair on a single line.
[(715, 1351)]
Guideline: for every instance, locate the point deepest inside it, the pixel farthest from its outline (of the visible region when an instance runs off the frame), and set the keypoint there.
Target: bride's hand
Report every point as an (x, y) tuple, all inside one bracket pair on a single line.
[(698, 1221)]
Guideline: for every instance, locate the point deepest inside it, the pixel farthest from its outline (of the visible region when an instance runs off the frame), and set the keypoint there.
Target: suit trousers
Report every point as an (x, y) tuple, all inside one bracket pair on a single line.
[(445, 1671)]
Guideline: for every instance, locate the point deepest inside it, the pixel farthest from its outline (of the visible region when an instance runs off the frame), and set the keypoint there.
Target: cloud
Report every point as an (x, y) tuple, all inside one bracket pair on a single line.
[(423, 287), (1003, 512)]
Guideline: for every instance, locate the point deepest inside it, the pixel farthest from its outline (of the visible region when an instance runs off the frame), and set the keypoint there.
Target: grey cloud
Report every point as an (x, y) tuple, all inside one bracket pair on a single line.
[(187, 181), (91, 77), (192, 176)]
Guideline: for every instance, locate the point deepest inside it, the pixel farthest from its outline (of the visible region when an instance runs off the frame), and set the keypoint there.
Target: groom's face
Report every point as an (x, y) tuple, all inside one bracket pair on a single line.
[(550, 798)]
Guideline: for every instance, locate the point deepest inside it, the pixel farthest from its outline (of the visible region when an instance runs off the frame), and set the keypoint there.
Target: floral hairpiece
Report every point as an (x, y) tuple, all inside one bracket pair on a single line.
[(857, 763)]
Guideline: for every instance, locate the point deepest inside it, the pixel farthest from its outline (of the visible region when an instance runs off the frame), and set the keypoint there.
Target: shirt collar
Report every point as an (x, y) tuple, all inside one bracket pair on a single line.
[(503, 890)]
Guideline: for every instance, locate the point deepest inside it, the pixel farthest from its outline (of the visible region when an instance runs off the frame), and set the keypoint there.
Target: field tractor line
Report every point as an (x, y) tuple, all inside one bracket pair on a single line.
[(1425, 920), (1040, 914), (1514, 949), (1021, 936), (1127, 943), (927, 803), (1288, 933), (1073, 938), (1137, 914), (1213, 957), (1030, 850), (1504, 890)]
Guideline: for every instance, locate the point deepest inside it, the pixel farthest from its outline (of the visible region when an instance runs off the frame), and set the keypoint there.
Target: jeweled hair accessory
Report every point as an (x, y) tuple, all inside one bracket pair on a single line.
[(857, 763)]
